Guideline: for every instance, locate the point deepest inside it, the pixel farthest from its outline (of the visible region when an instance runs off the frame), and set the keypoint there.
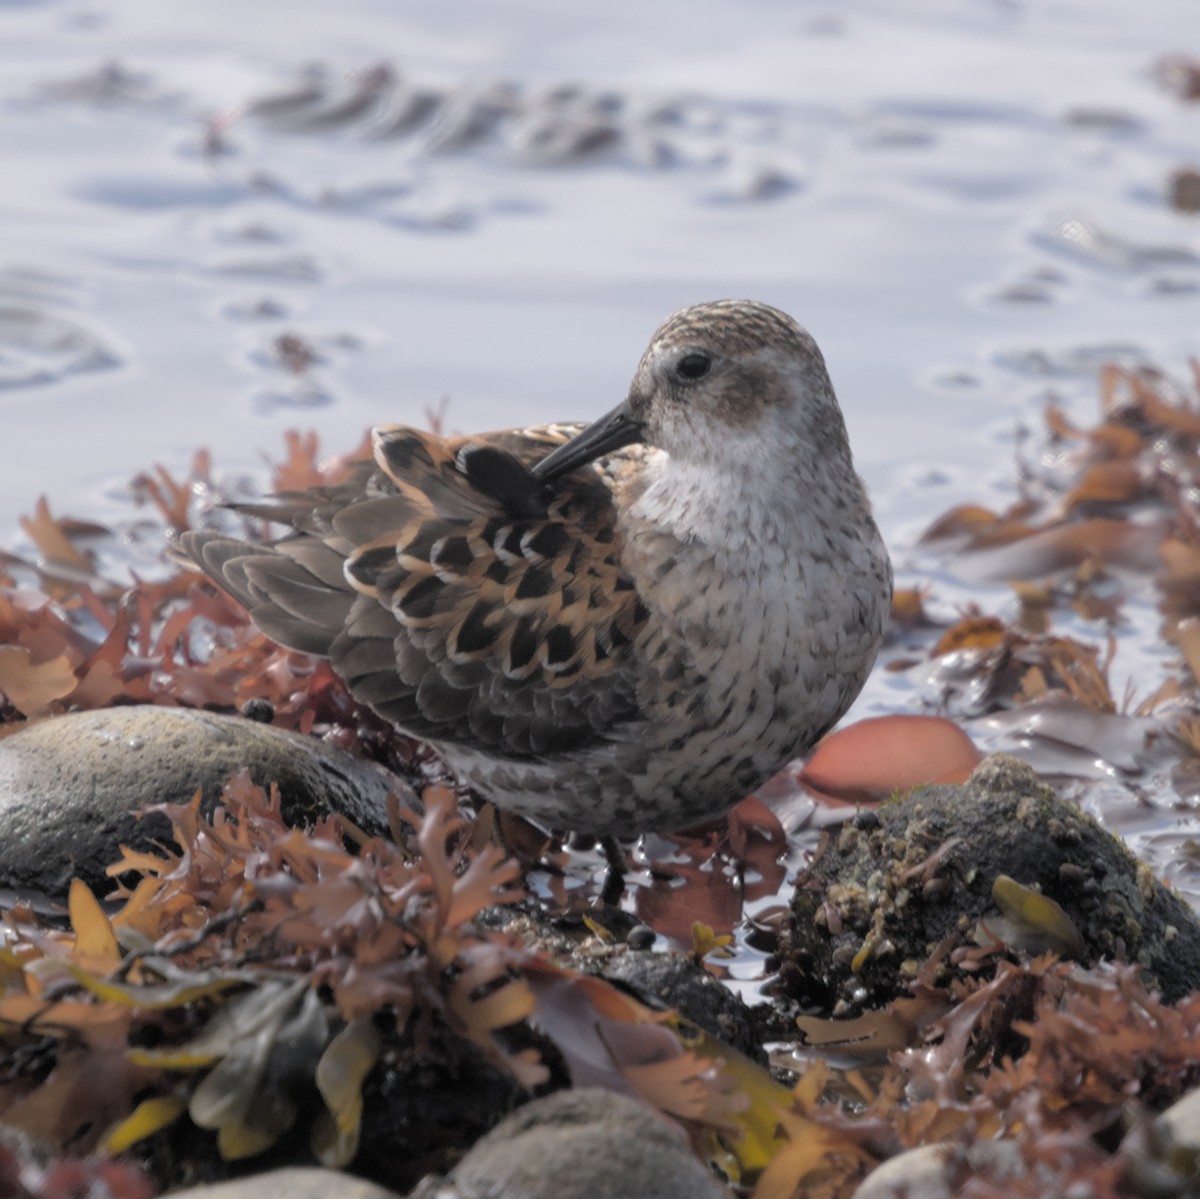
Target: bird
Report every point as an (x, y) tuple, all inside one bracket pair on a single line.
[(609, 628)]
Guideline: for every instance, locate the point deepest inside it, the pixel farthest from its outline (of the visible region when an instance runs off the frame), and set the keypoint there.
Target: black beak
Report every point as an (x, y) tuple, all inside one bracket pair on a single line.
[(609, 433)]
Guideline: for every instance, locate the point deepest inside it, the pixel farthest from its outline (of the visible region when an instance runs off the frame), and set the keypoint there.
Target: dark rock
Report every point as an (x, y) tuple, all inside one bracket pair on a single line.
[(640, 937), (427, 1108), (677, 981), (659, 980), (71, 787), (586, 1144), (874, 905), (430, 1098)]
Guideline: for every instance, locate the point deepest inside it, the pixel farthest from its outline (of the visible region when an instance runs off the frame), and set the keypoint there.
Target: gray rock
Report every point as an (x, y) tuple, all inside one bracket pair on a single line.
[(585, 1144), (920, 1173), (1162, 1154), (1182, 1120), (936, 1171), (295, 1182), (70, 787)]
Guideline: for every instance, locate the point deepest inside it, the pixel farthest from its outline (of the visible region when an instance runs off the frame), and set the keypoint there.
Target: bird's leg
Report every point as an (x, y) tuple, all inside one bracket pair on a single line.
[(614, 876)]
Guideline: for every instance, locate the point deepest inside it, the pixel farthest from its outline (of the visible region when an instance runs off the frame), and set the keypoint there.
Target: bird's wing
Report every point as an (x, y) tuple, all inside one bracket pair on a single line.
[(455, 593)]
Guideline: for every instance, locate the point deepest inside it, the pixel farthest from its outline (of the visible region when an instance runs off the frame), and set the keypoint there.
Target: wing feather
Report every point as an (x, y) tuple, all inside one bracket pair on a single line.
[(453, 591)]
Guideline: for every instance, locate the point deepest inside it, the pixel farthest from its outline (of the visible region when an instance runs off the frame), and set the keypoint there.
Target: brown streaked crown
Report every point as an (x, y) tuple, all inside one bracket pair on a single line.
[(735, 328), (758, 359)]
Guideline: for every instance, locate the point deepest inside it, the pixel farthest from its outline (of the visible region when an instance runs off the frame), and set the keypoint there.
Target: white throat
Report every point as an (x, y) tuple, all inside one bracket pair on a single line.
[(755, 490)]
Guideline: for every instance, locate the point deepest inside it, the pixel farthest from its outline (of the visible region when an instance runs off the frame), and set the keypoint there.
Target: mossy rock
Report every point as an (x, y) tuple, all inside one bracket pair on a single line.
[(892, 886)]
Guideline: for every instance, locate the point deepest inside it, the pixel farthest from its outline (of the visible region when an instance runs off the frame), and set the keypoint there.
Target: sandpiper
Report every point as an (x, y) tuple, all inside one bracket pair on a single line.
[(612, 628)]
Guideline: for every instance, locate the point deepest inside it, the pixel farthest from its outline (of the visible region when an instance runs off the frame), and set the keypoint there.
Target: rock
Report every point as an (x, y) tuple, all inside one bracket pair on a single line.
[(677, 981), (70, 787), (1162, 1154), (938, 1171), (429, 1099), (293, 1182), (920, 1173), (663, 979), (1182, 1121), (433, 1101), (585, 1144), (886, 891)]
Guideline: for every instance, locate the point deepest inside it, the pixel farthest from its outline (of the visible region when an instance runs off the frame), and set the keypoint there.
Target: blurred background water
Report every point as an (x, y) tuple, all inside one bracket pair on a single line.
[(966, 201)]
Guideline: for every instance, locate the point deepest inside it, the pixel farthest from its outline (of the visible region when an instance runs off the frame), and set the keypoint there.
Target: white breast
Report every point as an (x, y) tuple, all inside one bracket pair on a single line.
[(768, 594)]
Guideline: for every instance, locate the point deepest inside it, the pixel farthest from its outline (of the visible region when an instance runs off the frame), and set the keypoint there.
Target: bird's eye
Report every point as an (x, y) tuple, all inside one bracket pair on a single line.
[(693, 366)]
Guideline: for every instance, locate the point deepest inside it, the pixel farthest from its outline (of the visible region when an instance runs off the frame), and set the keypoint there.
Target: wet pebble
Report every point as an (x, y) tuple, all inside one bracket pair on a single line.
[(640, 937)]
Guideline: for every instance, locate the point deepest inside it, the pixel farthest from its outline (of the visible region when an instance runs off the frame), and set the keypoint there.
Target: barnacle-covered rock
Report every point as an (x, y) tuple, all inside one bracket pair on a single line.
[(1000, 858)]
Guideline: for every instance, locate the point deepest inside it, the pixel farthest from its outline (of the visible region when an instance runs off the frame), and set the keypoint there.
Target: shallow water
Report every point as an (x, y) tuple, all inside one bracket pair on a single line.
[(967, 203), (964, 201)]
